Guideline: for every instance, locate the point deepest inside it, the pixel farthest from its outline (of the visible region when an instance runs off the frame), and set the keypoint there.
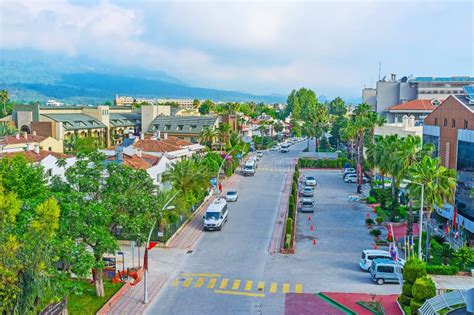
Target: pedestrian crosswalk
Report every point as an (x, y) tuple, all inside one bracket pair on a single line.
[(223, 285)]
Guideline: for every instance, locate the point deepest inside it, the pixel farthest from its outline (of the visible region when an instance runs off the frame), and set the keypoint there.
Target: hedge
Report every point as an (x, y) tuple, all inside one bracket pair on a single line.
[(288, 241), (442, 270), (423, 289), (414, 306), (371, 200), (414, 269), (406, 289), (291, 210), (324, 163), (289, 226), (404, 300)]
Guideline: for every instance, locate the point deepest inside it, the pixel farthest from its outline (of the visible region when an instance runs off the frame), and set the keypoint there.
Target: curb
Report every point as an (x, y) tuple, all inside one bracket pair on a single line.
[(336, 304), (105, 309)]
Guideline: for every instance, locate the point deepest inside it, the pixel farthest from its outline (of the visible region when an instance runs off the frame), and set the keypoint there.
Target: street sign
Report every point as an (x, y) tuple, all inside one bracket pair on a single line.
[(120, 253)]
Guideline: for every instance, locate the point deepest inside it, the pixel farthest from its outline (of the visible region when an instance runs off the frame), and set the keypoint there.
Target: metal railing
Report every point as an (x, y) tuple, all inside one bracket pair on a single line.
[(443, 301)]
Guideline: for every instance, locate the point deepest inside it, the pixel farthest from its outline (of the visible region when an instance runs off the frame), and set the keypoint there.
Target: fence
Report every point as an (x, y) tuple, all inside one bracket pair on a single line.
[(443, 301)]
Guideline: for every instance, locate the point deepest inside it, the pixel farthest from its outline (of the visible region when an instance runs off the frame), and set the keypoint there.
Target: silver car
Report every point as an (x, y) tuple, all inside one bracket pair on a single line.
[(307, 205), (307, 191), (232, 195)]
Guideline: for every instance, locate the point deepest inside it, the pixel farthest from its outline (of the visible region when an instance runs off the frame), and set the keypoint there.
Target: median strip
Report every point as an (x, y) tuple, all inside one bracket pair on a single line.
[(239, 293)]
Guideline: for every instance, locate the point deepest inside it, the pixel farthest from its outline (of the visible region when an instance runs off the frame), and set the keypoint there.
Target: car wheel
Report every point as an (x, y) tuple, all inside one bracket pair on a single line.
[(380, 281)]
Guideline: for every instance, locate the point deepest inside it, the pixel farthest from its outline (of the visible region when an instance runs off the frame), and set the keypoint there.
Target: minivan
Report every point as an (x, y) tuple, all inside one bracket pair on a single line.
[(385, 270), (216, 215), (249, 167)]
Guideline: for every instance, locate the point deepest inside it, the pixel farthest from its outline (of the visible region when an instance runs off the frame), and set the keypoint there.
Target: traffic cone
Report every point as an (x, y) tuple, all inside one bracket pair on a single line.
[(309, 218), (314, 242), (312, 227)]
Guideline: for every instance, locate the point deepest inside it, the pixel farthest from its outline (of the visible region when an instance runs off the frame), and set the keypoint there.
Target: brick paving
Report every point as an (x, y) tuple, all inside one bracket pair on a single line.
[(190, 234), (349, 300), (308, 304)]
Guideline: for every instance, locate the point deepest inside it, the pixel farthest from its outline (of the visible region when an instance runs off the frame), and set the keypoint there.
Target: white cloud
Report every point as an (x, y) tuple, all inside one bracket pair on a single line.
[(255, 46)]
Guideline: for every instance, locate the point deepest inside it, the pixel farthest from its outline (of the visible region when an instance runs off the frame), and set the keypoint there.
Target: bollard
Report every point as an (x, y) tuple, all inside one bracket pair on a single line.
[(309, 218), (312, 227), (314, 242)]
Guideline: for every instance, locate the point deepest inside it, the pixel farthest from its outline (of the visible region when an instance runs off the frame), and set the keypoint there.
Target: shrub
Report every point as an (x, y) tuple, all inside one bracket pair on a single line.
[(465, 255), (413, 269), (404, 300), (414, 306), (288, 241), (291, 210), (406, 289), (407, 309), (442, 270), (294, 189), (371, 200), (375, 232), (423, 289), (289, 226), (369, 221), (379, 220), (378, 210)]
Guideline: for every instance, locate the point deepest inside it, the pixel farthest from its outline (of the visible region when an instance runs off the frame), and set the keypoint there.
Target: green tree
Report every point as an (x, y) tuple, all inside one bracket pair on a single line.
[(206, 107), (207, 136), (196, 103), (337, 107), (223, 133), (6, 129), (4, 99), (465, 255)]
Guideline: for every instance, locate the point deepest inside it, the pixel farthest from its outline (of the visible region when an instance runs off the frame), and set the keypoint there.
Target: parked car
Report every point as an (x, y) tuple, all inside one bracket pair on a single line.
[(285, 148), (310, 181), (259, 154), (307, 205), (307, 191), (348, 170), (348, 173), (232, 195), (385, 270), (368, 255), (352, 178)]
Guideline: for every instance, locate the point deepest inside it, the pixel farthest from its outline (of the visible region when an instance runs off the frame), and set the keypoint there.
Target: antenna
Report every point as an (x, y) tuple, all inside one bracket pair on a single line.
[(380, 68), (371, 82)]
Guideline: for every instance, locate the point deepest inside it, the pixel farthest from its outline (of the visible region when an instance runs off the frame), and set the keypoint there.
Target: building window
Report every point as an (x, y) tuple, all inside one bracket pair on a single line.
[(453, 123), (167, 127), (436, 122), (180, 127), (50, 148), (466, 124), (50, 172), (445, 122)]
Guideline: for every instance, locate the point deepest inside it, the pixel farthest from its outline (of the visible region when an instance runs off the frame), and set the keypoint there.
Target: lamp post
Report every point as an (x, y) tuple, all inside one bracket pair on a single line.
[(220, 167), (145, 262), (420, 223)]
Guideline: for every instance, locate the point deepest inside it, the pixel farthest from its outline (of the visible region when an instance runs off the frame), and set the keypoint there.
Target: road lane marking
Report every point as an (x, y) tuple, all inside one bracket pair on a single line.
[(248, 285), (212, 283), (273, 287), (210, 275), (239, 293), (236, 284), (286, 288), (298, 288), (261, 286), (224, 283), (199, 283), (187, 282), (175, 283)]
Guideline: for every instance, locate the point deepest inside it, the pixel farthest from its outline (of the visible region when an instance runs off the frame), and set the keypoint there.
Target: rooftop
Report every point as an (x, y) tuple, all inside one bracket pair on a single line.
[(418, 105), (149, 145), (4, 141), (36, 157), (134, 161), (464, 99), (182, 124), (443, 79), (124, 119), (76, 121)]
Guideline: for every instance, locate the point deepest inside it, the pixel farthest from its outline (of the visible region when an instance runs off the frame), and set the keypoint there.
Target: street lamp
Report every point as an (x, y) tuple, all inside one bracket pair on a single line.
[(420, 223), (220, 167), (145, 263)]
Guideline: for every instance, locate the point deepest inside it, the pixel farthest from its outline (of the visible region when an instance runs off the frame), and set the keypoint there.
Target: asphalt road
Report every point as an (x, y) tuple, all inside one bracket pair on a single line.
[(231, 271)]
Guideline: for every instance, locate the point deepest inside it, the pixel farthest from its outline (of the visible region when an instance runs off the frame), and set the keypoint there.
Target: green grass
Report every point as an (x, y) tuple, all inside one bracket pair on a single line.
[(88, 302)]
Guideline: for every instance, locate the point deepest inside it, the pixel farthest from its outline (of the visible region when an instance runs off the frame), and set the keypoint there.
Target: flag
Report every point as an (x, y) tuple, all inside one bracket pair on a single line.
[(455, 215), (393, 251), (389, 236)]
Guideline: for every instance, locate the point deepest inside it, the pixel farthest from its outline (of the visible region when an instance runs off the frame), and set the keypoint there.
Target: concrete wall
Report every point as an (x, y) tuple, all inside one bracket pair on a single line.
[(388, 94), (51, 144), (369, 96)]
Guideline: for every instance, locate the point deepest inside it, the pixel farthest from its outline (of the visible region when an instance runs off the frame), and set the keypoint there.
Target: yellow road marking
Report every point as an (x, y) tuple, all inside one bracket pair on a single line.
[(224, 283), (187, 282), (261, 286), (199, 283), (210, 275), (212, 283), (248, 285), (286, 288), (273, 287), (175, 283), (240, 293), (236, 284), (299, 288)]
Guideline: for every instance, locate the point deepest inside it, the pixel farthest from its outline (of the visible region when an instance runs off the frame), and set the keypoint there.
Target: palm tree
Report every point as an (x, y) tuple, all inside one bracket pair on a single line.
[(262, 126), (207, 136), (6, 129), (186, 177), (223, 134), (4, 99), (438, 183), (61, 162)]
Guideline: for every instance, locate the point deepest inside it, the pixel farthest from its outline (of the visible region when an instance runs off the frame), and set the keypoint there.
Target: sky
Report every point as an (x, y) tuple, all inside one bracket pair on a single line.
[(332, 47)]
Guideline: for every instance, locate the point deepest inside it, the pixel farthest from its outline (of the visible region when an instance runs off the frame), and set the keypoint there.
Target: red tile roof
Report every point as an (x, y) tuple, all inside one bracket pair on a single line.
[(414, 105), (136, 162), (36, 157), (177, 141), (149, 145), (13, 140)]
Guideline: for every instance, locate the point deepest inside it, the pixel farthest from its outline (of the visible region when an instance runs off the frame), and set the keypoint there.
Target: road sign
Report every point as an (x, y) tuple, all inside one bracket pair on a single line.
[(120, 253)]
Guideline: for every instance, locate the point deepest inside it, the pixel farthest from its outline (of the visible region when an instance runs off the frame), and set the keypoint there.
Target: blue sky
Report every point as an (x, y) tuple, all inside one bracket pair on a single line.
[(259, 47)]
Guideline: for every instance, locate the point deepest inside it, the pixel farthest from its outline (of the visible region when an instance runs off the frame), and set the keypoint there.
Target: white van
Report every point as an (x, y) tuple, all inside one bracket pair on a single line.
[(285, 148), (249, 167), (216, 215), (369, 255)]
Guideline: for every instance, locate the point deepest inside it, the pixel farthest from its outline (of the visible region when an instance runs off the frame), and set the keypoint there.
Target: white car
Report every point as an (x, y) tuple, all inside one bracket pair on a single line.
[(348, 170), (310, 181), (352, 178), (259, 154), (368, 255), (232, 195)]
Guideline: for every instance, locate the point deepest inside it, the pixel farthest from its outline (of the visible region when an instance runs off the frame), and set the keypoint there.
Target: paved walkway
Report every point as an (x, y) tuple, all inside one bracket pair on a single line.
[(308, 304), (349, 300), (189, 234)]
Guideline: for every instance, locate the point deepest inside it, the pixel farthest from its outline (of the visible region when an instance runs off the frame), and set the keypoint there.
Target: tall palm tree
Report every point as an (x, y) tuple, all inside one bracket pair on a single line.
[(438, 183), (4, 99), (186, 177), (207, 136), (61, 162), (223, 133), (6, 129)]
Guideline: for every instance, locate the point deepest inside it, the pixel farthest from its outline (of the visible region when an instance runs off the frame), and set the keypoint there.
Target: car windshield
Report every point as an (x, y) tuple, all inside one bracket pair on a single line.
[(231, 193), (212, 215), (308, 189), (310, 178), (307, 203), (248, 167)]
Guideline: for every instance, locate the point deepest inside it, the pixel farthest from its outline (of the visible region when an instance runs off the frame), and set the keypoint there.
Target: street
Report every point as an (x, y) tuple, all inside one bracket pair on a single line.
[(232, 272)]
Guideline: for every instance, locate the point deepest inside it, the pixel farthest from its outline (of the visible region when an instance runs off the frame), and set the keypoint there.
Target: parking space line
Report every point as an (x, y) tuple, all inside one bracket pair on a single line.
[(199, 283), (298, 288), (212, 283), (236, 284), (261, 286), (273, 287), (210, 275), (175, 283), (224, 283), (286, 288), (187, 282), (248, 285), (240, 293)]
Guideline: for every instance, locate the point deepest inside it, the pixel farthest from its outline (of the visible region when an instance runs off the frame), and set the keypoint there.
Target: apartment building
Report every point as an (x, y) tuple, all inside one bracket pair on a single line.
[(450, 127), (391, 91), (130, 101)]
